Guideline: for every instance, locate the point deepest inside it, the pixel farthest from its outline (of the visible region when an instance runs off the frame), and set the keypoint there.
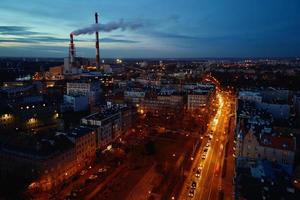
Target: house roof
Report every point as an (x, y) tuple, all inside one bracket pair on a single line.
[(278, 142)]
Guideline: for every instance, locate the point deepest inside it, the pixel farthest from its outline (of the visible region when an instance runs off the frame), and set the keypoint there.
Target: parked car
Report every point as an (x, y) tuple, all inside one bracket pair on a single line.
[(191, 193), (83, 172), (194, 185), (93, 177), (102, 169)]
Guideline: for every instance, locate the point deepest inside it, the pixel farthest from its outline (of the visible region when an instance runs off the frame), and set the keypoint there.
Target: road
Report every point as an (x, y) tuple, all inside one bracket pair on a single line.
[(210, 182)]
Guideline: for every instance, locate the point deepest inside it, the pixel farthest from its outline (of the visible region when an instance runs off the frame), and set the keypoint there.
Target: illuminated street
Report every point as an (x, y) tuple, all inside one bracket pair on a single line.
[(149, 100), (209, 184)]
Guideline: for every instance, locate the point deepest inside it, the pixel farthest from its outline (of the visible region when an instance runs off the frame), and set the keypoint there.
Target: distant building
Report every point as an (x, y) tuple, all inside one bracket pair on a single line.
[(90, 89), (161, 104), (55, 73), (107, 69), (12, 90), (250, 96), (29, 115), (75, 103), (198, 95), (134, 95), (198, 99)]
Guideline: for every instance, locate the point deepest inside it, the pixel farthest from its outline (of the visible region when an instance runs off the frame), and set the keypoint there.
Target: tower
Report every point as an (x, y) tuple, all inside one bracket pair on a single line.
[(97, 44)]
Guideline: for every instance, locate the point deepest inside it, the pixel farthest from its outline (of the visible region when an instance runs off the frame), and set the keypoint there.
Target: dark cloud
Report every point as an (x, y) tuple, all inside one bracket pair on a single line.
[(4, 29), (17, 30), (42, 39), (112, 40), (172, 35), (37, 39)]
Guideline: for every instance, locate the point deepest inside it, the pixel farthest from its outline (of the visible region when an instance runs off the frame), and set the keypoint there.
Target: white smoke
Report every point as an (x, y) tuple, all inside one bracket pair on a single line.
[(121, 24)]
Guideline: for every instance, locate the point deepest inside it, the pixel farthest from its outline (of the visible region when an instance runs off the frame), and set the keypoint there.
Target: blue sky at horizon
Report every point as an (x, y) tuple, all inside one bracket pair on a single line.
[(170, 28)]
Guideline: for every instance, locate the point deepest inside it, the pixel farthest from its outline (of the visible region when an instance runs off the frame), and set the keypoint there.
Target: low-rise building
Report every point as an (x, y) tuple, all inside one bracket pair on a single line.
[(199, 95), (161, 104), (90, 89), (111, 122), (46, 163), (134, 95), (280, 149), (84, 139), (198, 99), (250, 96), (75, 103)]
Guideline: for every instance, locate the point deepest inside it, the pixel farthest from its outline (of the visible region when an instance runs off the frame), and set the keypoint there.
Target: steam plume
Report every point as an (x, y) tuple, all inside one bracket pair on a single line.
[(111, 26)]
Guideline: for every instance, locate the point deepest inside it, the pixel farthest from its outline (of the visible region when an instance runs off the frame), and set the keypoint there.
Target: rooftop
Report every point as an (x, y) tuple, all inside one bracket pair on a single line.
[(37, 148), (107, 111), (77, 131), (278, 142)]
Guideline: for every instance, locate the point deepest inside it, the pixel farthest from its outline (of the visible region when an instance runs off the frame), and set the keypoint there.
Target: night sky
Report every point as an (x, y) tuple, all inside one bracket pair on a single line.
[(168, 28)]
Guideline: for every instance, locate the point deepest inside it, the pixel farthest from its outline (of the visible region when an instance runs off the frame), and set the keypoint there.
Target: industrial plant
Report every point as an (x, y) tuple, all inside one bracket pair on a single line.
[(72, 65)]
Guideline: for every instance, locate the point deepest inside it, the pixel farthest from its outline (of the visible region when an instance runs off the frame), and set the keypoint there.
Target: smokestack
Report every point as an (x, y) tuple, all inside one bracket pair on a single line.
[(97, 44), (71, 51)]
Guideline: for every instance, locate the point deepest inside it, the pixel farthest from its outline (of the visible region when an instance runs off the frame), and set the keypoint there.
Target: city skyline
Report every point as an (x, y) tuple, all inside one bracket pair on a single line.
[(165, 29)]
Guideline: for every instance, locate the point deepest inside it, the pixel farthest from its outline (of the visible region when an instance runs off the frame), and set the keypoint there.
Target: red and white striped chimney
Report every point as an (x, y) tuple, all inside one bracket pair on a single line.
[(71, 51), (97, 44)]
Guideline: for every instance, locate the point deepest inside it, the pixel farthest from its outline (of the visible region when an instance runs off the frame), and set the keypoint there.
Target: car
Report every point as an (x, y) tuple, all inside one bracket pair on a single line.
[(198, 172), (203, 156), (191, 193), (102, 169), (83, 172), (194, 185), (207, 144), (205, 150), (93, 177)]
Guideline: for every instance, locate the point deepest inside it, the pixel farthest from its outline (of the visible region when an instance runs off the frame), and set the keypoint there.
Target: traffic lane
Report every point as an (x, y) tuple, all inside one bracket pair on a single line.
[(217, 167), (210, 179), (207, 173), (191, 174), (196, 164), (210, 153), (212, 147), (217, 182), (208, 169)]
